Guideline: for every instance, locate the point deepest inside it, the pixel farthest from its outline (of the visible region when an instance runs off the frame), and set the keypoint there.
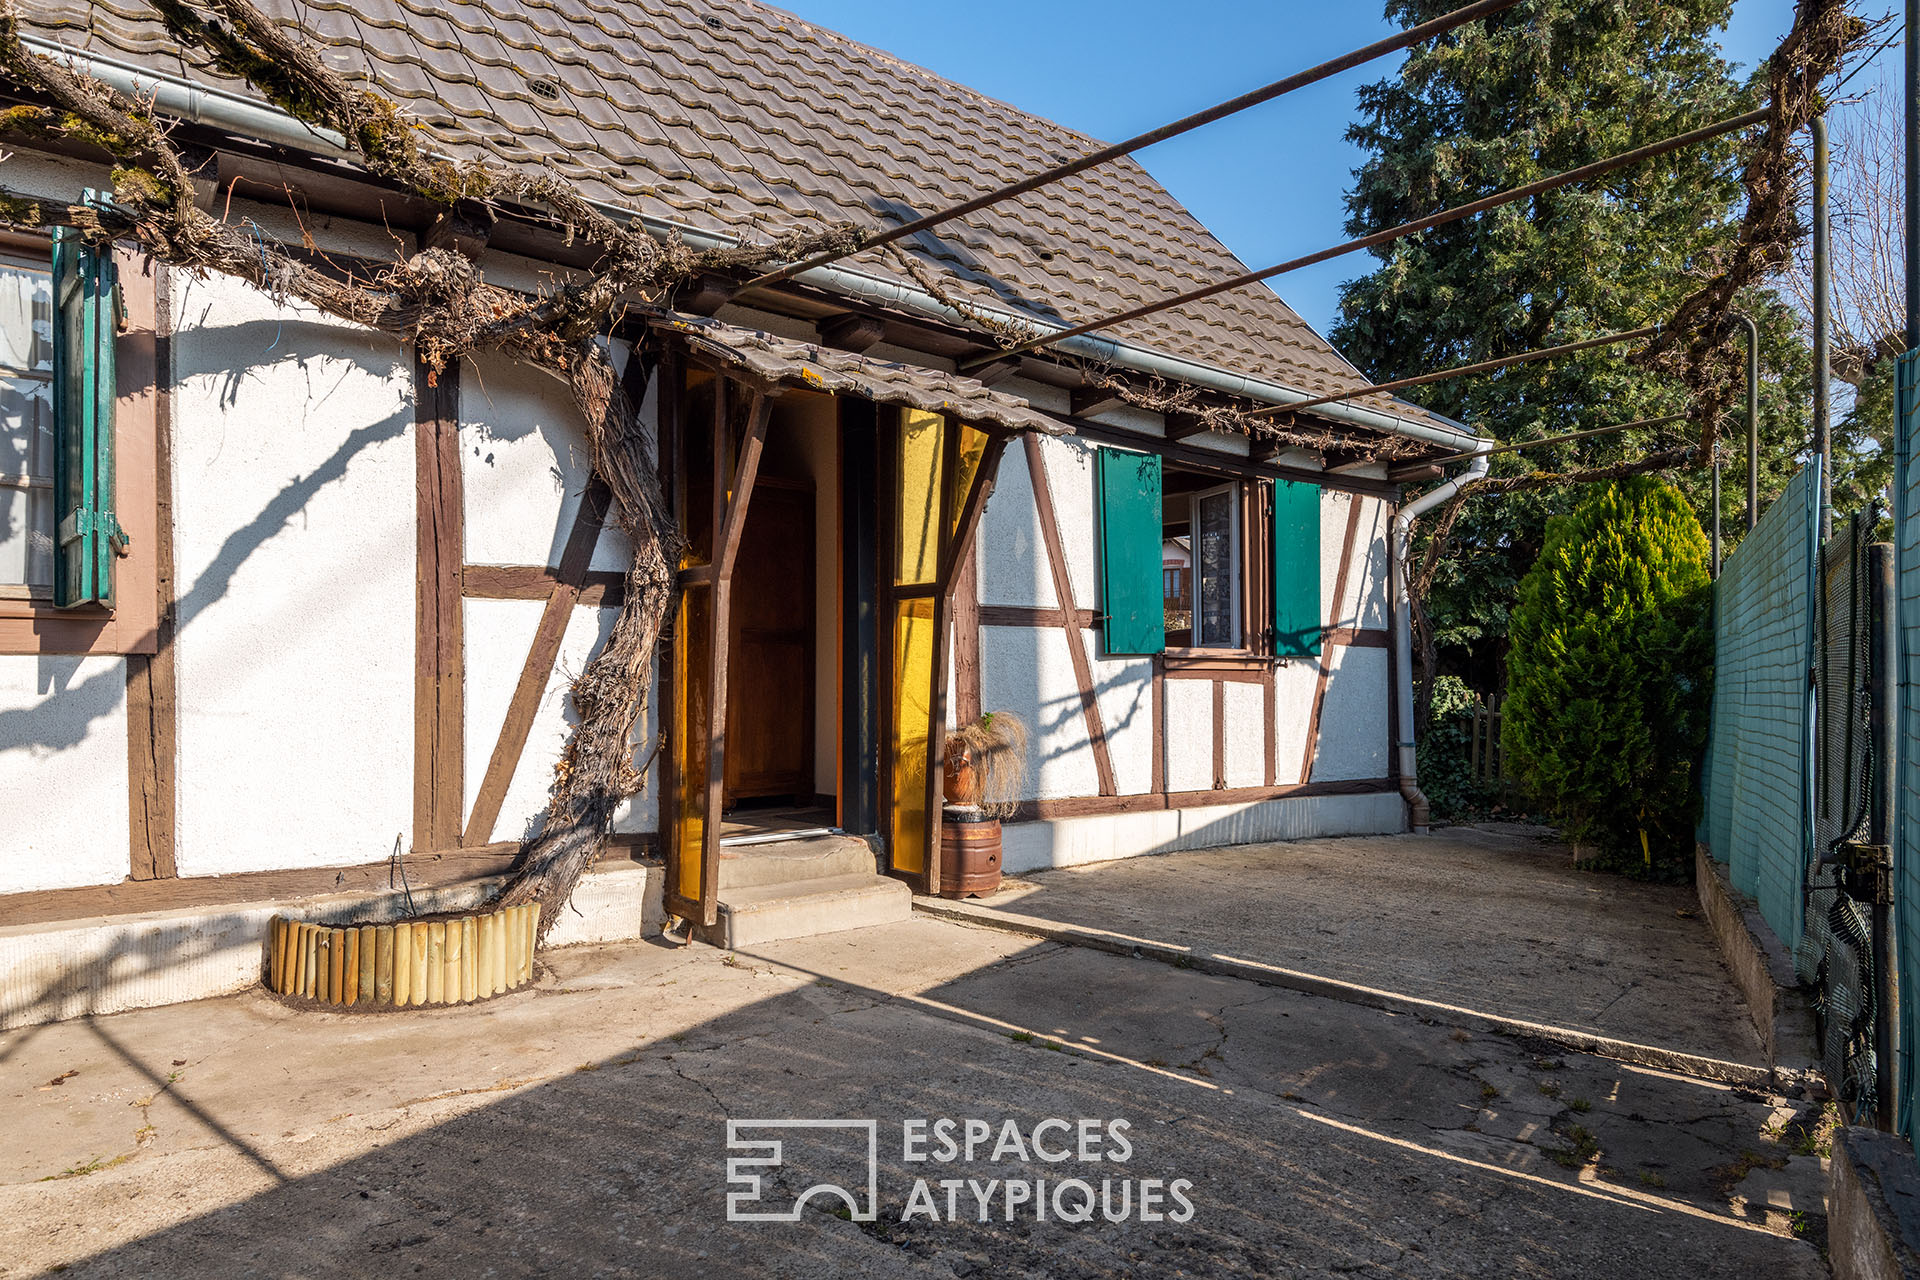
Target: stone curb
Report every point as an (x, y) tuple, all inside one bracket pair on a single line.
[(1673, 1060), (1762, 969)]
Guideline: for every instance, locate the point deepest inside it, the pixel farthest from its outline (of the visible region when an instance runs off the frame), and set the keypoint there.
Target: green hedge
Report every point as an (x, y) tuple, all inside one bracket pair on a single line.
[(1609, 677)]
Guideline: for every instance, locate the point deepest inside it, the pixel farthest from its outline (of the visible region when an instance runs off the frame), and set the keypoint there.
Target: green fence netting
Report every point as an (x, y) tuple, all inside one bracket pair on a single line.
[(1906, 845), (1758, 773)]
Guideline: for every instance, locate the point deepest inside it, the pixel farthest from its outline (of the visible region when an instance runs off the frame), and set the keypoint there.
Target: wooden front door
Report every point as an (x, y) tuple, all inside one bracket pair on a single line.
[(770, 652)]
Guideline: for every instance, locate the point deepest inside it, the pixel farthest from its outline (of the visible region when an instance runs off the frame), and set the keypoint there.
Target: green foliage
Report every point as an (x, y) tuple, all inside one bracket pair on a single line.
[(1444, 754), (1610, 673), (1544, 87)]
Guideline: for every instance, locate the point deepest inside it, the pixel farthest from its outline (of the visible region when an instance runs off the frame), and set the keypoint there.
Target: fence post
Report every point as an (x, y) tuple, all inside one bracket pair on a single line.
[(1882, 725)]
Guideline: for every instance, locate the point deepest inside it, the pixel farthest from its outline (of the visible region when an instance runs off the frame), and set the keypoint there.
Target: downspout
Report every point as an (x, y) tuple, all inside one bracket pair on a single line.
[(221, 109), (1399, 554)]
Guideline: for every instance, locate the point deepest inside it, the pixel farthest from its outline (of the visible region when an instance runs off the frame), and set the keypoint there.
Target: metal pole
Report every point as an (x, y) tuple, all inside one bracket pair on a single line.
[(1461, 371), (1405, 39), (1599, 167), (1822, 347), (1716, 509), (1753, 418)]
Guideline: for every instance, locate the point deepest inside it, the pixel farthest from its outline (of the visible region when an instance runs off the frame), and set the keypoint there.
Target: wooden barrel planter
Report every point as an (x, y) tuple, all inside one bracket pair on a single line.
[(405, 965), (969, 855)]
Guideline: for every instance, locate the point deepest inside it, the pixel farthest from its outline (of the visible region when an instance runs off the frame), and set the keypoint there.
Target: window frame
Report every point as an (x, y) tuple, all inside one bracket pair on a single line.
[(1251, 531), (1236, 574), (14, 255), (33, 625)]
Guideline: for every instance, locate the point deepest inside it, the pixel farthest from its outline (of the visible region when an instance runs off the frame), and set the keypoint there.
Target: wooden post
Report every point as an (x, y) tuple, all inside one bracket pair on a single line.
[(383, 965), (438, 718)]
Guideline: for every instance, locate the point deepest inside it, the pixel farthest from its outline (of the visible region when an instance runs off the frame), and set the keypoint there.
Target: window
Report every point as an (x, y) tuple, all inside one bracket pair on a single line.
[(1202, 528), (1194, 558), (58, 533), (26, 430), (78, 422)]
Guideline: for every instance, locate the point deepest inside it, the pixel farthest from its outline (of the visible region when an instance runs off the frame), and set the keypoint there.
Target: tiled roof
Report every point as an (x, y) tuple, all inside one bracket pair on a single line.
[(825, 369), (745, 120)]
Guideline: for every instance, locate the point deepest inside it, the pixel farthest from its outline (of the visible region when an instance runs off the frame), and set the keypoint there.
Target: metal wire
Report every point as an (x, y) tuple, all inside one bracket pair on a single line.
[(1598, 168), (1299, 80)]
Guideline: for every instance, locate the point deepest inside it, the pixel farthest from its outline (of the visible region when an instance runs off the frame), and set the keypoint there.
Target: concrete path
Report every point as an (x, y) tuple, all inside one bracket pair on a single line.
[(580, 1129), (1494, 919)]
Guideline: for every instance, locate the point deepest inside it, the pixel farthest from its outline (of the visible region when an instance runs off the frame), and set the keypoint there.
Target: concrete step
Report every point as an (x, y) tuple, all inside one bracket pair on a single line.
[(791, 862), (768, 913)]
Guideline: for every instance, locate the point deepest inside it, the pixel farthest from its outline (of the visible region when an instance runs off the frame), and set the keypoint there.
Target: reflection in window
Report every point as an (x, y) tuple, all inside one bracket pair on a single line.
[(1200, 561), (26, 430)]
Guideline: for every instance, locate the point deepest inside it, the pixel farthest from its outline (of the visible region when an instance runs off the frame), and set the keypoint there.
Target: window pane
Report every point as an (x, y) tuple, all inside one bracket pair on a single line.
[(913, 673), (26, 320), (922, 453), (26, 427), (1213, 553), (693, 654)]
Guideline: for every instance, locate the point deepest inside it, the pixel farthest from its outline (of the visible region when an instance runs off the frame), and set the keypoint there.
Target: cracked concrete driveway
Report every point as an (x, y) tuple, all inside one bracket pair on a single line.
[(1491, 918), (581, 1129)]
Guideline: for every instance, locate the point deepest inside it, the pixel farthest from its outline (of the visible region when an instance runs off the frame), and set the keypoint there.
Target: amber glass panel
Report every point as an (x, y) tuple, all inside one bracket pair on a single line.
[(922, 449), (692, 672), (973, 448), (912, 721)]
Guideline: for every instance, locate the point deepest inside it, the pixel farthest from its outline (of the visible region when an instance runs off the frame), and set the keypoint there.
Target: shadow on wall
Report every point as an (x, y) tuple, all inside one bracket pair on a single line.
[(100, 694)]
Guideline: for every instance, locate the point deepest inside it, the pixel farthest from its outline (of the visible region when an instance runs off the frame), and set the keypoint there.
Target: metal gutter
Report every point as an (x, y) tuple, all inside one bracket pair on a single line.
[(220, 108), (1399, 553)]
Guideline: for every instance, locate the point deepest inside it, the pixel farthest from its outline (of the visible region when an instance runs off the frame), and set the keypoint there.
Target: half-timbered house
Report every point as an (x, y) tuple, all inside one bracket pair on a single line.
[(284, 613)]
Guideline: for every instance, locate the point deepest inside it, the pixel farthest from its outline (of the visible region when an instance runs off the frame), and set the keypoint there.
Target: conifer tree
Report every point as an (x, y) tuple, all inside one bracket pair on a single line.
[(1544, 87), (1609, 676)]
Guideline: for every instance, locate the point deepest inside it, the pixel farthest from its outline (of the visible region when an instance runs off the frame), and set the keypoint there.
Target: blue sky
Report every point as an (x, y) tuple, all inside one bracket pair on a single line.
[(1269, 182)]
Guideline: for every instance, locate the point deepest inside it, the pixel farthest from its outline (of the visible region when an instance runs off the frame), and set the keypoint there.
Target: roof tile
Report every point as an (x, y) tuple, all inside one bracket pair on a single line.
[(741, 118)]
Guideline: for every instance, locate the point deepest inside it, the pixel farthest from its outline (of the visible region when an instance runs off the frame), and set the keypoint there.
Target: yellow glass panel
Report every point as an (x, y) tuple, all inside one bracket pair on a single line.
[(693, 647), (912, 725), (922, 450), (973, 448)]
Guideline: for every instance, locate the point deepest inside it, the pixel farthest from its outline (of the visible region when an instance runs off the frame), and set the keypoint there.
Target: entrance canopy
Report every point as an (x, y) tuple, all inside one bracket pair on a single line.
[(774, 360)]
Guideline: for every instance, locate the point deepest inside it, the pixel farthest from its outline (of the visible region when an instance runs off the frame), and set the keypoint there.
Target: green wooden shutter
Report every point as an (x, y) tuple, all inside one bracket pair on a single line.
[(1297, 624), (1132, 606), (87, 536)]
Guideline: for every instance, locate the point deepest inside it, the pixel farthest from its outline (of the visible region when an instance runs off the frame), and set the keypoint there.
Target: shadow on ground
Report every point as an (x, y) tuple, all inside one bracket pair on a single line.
[(1495, 919), (581, 1128)]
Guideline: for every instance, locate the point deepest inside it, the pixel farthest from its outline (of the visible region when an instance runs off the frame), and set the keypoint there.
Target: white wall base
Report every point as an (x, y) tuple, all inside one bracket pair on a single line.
[(106, 964), (1070, 842)]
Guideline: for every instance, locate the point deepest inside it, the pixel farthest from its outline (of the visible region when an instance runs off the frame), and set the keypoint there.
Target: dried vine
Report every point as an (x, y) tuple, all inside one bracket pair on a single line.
[(438, 302)]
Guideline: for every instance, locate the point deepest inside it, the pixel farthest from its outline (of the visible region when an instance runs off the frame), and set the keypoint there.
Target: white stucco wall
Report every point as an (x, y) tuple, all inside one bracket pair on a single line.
[(499, 634), (1294, 683), (525, 466), (1354, 729), (1245, 707), (1189, 737), (1123, 690), (1028, 671), (63, 771), (524, 471), (1013, 563), (294, 545)]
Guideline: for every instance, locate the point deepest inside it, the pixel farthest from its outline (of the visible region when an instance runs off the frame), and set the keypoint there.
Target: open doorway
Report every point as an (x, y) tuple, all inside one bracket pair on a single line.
[(782, 757)]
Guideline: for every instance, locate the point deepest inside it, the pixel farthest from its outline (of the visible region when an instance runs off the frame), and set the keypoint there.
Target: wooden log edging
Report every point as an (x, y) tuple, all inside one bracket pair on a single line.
[(404, 965)]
